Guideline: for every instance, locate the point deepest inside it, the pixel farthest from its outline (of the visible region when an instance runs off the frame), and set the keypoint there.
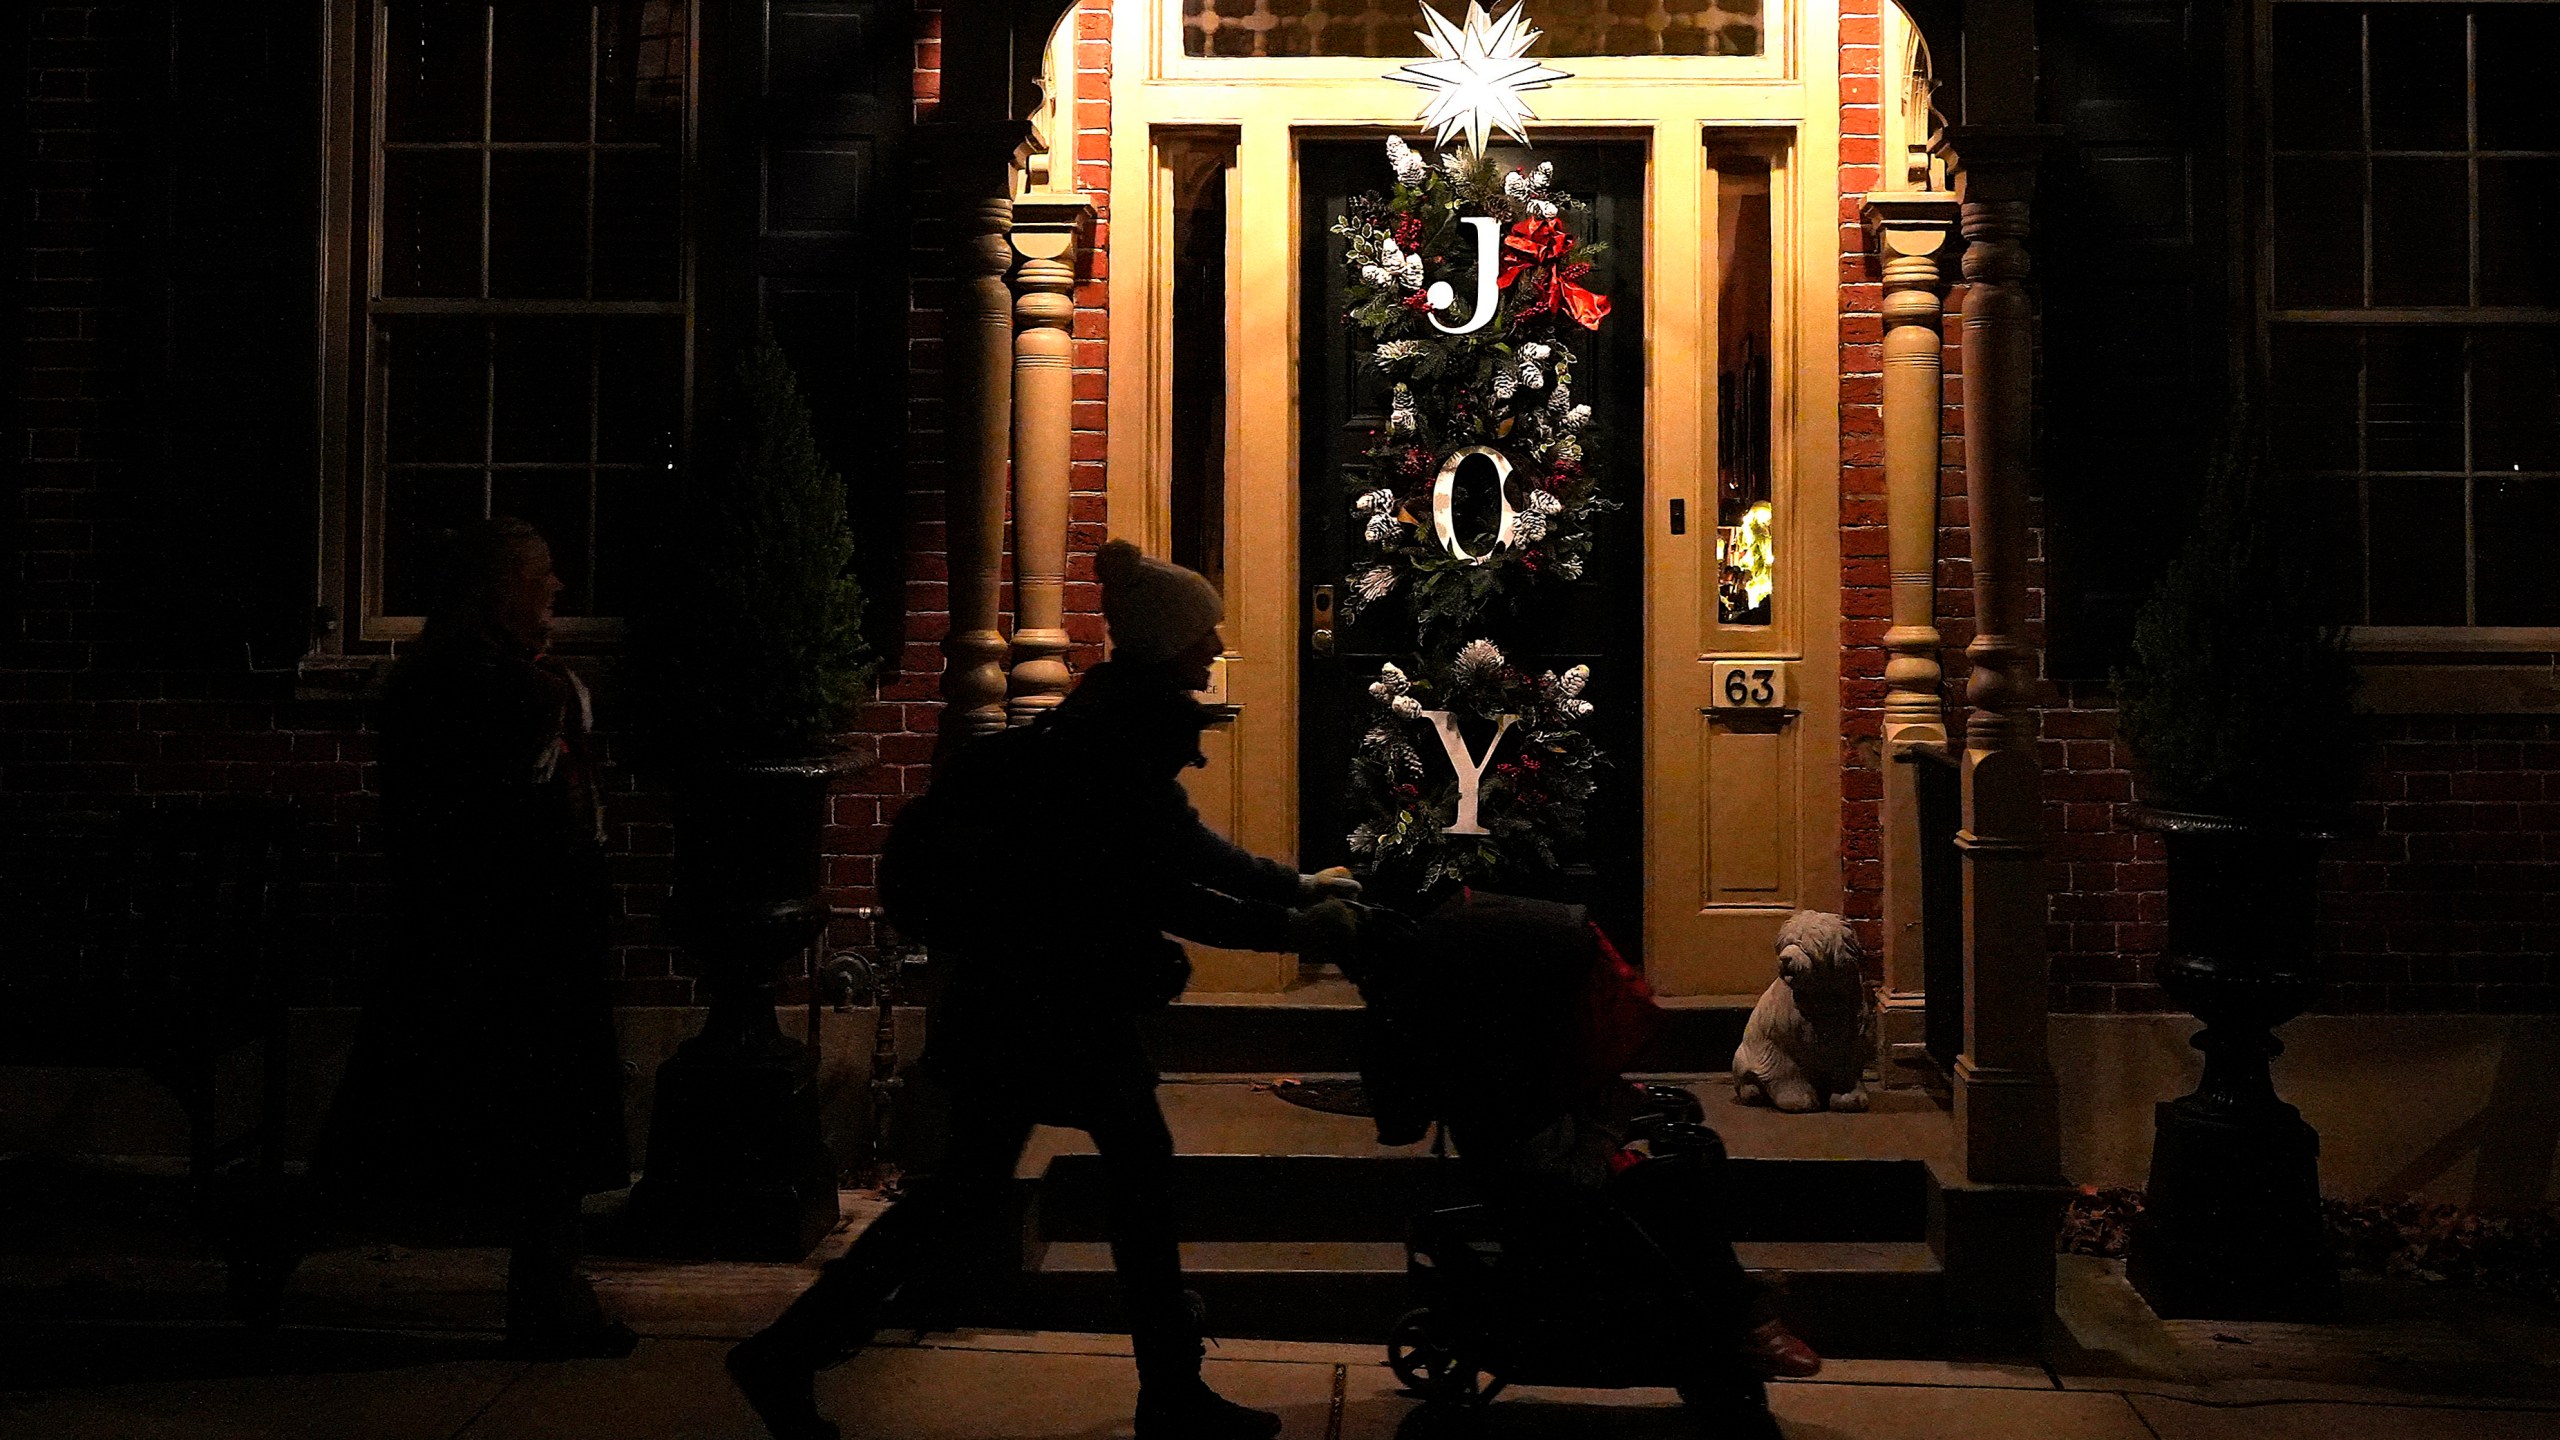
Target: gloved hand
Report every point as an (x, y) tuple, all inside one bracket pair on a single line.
[(1334, 882), (1325, 932)]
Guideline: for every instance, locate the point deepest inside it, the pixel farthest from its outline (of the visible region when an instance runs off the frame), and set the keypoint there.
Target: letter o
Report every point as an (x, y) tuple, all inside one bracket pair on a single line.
[(1444, 495)]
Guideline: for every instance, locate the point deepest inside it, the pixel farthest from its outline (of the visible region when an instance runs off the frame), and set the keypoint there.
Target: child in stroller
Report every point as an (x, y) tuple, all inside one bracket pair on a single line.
[(1595, 1256)]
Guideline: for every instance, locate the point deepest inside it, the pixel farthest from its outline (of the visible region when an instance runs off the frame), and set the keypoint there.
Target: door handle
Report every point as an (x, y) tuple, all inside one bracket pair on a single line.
[(1320, 619)]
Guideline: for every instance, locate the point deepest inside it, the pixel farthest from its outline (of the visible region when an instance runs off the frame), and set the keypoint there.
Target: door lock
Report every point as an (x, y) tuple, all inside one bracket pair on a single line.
[(1320, 619)]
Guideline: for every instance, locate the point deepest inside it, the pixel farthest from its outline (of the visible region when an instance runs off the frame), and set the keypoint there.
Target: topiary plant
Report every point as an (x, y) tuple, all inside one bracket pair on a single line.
[(752, 647), (2239, 698)]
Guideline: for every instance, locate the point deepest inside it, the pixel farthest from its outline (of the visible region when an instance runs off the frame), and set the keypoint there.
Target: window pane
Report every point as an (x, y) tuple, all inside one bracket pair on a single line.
[(2319, 207), (2420, 78), (538, 81), (637, 224), (435, 389), (2519, 106), (1385, 28), (2312, 373), (420, 509), (538, 223), (432, 57), (1746, 571), (431, 223), (2333, 525), (628, 506), (556, 502), (540, 410), (1201, 167), (2413, 400), (2421, 223), (2319, 78), (2416, 556), (2515, 404), (640, 70), (639, 390), (2519, 232), (2517, 522)]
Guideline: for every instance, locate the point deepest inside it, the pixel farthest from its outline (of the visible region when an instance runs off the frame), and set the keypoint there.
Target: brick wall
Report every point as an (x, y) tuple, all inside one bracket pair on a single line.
[(1866, 582), (2445, 900), (92, 715), (903, 716), (2445, 896)]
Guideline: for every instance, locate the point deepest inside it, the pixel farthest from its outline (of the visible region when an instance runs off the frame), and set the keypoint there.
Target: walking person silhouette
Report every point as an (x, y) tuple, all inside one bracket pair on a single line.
[(1050, 863)]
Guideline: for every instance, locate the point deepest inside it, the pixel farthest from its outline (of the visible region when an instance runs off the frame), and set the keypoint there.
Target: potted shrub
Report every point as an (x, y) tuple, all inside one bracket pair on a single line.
[(746, 663), (2238, 708)]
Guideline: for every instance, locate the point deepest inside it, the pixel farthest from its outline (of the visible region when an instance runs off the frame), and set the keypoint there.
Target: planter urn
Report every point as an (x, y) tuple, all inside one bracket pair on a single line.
[(2231, 1224), (736, 1166)]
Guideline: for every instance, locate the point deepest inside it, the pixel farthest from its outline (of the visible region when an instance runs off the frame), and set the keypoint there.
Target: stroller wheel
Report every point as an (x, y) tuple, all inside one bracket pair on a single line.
[(1421, 1355)]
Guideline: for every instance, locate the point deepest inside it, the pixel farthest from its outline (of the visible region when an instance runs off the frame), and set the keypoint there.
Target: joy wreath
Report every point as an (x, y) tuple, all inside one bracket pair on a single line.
[(1502, 385), (1466, 287)]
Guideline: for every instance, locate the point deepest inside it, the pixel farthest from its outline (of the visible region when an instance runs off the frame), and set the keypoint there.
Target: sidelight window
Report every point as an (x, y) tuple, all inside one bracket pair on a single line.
[(1746, 516)]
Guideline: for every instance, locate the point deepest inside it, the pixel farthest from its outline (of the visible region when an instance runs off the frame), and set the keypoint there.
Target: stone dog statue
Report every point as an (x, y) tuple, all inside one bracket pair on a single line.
[(1811, 1037)]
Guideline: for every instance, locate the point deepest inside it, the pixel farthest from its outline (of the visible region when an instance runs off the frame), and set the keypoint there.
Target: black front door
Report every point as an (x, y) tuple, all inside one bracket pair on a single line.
[(1595, 621)]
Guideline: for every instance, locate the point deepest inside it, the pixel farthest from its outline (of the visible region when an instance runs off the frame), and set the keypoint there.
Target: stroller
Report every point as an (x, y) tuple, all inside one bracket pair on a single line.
[(1594, 1256)]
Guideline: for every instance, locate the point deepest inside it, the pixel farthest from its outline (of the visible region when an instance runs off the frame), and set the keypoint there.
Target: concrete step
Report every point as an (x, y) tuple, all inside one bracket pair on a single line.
[(1867, 1299), (1274, 1199), (1287, 1035)]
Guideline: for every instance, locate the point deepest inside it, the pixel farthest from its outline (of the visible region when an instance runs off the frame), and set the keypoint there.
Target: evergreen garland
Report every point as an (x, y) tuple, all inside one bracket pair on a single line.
[(2239, 698), (1506, 386), (751, 647)]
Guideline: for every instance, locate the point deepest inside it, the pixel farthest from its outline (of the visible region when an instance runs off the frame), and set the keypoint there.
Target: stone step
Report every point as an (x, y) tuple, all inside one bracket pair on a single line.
[(1275, 1199), (1236, 1034), (1861, 1299)]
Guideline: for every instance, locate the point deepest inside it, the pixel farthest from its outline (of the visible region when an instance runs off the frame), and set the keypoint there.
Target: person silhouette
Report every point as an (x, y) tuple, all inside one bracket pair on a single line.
[(483, 1098), (1059, 856)]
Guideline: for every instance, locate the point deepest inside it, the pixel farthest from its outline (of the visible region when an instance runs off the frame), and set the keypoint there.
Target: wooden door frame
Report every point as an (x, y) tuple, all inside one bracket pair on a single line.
[(1679, 107)]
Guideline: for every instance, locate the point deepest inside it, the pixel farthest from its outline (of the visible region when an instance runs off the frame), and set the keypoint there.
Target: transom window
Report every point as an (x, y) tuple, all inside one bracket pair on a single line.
[(1385, 28), (2411, 301), (525, 320)]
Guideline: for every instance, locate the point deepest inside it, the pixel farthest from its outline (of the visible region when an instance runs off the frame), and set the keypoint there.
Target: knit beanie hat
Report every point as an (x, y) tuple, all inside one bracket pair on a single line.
[(1156, 608)]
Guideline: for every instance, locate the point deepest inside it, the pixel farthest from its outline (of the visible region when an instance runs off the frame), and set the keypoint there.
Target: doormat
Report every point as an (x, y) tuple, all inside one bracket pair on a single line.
[(1334, 1097)]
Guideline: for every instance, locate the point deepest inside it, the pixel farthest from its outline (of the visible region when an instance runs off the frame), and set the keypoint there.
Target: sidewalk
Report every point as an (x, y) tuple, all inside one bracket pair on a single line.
[(347, 1385), (112, 1328), (385, 1344)]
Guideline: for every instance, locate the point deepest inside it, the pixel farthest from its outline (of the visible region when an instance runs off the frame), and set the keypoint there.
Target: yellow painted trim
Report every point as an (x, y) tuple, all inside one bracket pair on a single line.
[(1789, 107)]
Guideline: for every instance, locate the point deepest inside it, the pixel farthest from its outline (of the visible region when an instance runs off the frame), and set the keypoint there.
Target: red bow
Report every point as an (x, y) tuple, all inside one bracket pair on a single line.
[(1538, 247)]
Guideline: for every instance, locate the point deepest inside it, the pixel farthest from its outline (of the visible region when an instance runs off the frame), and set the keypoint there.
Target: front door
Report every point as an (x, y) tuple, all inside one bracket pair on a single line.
[(1595, 621), (1711, 614)]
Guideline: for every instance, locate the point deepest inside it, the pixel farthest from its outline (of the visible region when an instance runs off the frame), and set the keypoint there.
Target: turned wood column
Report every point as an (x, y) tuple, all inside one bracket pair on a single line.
[(1914, 233), (978, 162), (1044, 310), (2004, 1089)]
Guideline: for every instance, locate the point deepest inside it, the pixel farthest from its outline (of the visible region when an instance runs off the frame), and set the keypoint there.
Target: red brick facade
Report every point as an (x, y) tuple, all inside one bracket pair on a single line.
[(901, 720), (2446, 901)]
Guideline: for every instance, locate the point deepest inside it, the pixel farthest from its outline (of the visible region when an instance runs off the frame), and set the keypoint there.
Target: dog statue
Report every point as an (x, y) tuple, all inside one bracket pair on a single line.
[(1813, 1034)]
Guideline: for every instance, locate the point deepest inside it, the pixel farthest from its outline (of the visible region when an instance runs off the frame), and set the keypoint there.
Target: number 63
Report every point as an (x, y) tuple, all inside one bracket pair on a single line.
[(1750, 687)]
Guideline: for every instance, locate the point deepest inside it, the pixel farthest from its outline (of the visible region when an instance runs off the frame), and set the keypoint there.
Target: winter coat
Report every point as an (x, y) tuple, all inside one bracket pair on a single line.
[(486, 1071), (1066, 853)]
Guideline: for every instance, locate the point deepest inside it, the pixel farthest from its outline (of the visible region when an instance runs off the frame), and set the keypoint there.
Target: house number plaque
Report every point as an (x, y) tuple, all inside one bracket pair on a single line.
[(1749, 684)]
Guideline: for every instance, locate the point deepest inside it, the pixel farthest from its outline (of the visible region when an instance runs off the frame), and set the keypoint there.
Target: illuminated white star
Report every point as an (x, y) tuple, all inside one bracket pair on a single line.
[(1478, 74)]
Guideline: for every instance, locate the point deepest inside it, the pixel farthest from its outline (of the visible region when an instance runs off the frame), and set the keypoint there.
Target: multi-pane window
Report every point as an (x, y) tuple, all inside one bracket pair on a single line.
[(525, 318), (2412, 301)]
